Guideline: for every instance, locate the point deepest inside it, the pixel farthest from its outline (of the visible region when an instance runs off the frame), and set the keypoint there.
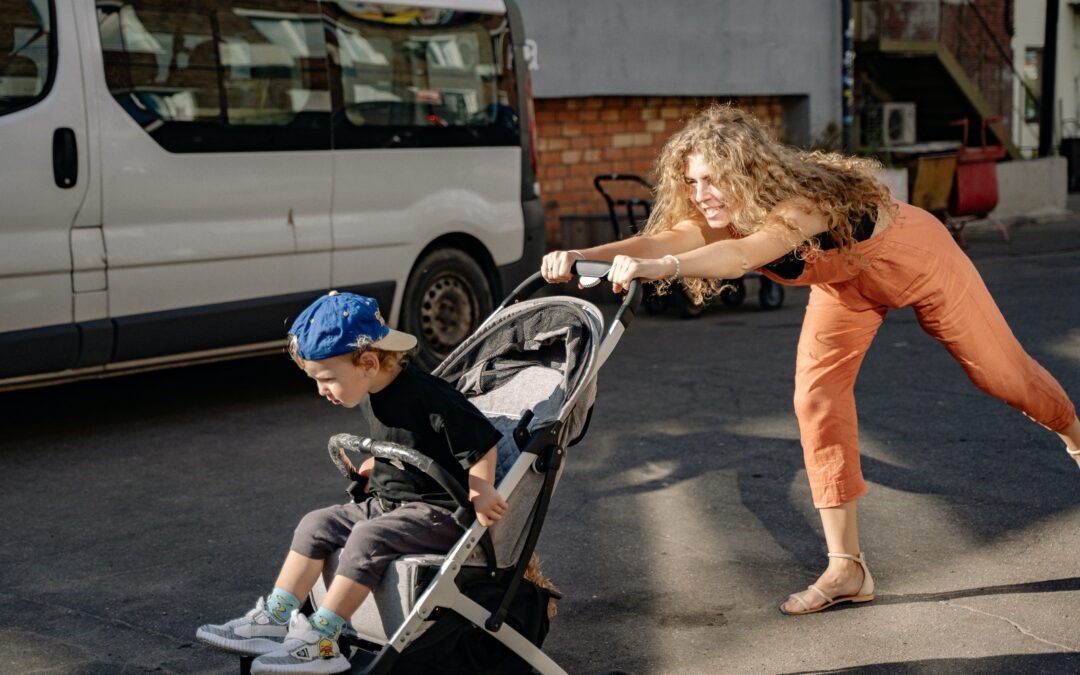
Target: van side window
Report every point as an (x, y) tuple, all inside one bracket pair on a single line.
[(27, 53), (204, 76), (420, 77)]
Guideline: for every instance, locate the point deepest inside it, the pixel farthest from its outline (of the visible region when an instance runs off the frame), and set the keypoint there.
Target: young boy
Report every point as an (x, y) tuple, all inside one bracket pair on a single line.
[(341, 342)]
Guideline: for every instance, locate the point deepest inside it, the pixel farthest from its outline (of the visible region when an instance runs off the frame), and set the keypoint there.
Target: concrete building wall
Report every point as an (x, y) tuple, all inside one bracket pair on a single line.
[(1031, 189), (693, 48)]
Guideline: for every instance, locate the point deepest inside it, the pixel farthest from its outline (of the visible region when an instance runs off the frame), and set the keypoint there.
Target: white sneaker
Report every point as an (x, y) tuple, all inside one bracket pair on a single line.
[(253, 634), (305, 650)]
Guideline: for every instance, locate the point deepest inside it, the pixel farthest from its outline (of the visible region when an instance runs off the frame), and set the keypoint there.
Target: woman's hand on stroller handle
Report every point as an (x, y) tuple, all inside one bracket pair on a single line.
[(557, 267), (562, 266), (625, 269)]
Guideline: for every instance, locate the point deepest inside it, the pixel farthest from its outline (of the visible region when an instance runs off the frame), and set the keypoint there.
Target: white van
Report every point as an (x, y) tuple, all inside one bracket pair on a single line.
[(179, 179)]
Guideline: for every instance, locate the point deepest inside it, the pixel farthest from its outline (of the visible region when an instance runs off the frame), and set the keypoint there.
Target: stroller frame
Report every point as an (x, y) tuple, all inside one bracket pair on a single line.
[(543, 450)]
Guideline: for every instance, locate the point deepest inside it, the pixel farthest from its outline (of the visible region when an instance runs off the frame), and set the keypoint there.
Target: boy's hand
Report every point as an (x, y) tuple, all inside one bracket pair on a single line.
[(486, 501), (366, 466), (365, 470)]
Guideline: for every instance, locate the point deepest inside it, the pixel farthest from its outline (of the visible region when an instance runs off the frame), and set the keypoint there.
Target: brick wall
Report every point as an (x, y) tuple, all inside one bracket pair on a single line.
[(578, 138)]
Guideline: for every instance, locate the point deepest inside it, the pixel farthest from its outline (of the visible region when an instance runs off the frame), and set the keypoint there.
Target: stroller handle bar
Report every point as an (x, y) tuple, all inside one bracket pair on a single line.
[(401, 454), (582, 268), (594, 269)]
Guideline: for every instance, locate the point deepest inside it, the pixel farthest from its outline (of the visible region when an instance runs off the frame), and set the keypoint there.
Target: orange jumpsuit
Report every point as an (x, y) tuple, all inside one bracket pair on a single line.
[(913, 263)]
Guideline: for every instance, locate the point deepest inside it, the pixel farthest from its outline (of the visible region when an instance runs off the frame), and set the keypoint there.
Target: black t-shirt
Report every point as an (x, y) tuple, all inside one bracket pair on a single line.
[(423, 412), (791, 265)]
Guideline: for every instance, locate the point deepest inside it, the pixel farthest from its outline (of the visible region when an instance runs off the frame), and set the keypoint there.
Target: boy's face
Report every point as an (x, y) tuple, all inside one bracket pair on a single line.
[(341, 381)]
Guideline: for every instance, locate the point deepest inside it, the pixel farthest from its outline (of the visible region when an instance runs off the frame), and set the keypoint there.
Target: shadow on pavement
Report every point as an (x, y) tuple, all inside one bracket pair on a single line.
[(1009, 663), (1047, 586)]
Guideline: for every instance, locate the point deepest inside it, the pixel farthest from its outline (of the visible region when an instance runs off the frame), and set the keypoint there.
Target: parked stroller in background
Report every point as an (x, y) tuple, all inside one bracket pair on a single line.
[(628, 223), (531, 367)]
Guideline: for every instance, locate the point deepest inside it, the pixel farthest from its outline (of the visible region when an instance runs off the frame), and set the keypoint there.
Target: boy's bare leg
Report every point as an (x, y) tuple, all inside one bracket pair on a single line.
[(313, 639), (298, 574), (843, 576), (344, 596)]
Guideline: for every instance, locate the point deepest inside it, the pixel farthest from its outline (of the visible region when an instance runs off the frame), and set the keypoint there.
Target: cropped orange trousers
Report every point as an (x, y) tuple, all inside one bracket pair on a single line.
[(913, 263)]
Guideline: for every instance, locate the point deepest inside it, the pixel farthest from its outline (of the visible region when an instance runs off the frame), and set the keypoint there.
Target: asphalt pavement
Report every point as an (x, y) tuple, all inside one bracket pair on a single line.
[(135, 509)]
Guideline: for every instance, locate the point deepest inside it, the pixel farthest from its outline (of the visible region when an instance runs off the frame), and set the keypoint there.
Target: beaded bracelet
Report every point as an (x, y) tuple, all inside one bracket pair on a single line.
[(678, 267)]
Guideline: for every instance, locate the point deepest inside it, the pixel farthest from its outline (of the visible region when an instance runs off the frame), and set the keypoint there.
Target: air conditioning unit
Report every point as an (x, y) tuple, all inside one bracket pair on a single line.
[(891, 123)]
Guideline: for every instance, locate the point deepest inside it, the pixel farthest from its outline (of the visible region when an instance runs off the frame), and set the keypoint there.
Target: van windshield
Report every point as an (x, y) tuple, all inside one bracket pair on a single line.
[(27, 56)]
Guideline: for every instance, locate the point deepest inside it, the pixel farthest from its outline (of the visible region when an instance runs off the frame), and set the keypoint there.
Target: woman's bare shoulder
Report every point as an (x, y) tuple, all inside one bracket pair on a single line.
[(801, 213)]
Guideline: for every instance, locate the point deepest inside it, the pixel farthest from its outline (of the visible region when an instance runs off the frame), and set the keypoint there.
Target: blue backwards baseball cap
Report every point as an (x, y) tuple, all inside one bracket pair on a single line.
[(337, 323)]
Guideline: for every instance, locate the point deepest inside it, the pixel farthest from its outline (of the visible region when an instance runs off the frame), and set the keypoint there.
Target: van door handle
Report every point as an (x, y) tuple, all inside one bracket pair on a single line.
[(65, 158)]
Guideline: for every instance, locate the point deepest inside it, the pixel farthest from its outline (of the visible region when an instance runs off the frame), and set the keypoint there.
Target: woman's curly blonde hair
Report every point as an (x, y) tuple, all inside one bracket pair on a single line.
[(756, 172)]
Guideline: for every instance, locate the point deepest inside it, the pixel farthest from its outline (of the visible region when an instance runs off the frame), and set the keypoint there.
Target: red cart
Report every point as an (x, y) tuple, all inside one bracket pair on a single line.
[(975, 187)]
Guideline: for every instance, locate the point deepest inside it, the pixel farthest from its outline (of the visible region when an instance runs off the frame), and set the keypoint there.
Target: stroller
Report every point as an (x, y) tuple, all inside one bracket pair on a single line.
[(531, 367)]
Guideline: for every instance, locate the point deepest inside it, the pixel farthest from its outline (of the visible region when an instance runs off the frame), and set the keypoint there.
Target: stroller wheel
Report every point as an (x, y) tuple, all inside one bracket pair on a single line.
[(734, 295), (687, 307), (771, 294), (655, 303)]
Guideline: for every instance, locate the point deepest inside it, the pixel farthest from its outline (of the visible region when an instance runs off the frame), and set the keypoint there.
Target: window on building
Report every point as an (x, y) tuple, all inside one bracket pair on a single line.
[(1033, 64)]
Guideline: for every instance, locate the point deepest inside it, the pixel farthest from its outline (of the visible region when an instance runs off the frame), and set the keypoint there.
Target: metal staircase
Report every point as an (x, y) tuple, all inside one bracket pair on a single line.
[(941, 55)]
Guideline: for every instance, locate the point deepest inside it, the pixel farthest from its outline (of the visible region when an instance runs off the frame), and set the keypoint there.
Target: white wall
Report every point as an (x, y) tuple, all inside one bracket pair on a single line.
[(1030, 32), (1031, 188)]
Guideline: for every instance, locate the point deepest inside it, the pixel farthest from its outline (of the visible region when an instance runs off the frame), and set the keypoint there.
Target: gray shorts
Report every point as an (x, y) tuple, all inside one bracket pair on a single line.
[(370, 538)]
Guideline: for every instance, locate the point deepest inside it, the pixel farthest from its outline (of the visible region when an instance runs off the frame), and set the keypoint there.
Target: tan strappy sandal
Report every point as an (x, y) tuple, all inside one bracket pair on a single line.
[(865, 594)]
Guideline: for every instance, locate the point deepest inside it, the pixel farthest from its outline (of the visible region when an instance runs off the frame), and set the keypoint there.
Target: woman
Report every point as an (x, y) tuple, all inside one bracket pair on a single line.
[(730, 198)]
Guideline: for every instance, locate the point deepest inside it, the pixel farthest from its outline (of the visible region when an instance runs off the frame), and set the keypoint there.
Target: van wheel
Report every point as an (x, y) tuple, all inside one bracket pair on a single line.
[(446, 298)]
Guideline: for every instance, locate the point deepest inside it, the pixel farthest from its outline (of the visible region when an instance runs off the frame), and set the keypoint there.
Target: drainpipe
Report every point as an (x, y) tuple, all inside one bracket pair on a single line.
[(847, 78), (1048, 74)]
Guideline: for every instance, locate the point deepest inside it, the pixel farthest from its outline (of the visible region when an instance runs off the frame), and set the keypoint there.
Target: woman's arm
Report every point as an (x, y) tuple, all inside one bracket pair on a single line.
[(727, 259), (685, 236)]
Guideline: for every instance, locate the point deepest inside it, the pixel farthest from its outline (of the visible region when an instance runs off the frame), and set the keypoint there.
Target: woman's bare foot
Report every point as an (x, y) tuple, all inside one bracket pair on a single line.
[(1071, 437), (1075, 454), (842, 577)]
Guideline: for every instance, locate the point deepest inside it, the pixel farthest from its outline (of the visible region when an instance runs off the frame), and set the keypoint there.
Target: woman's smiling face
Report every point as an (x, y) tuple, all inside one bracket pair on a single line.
[(708, 198)]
